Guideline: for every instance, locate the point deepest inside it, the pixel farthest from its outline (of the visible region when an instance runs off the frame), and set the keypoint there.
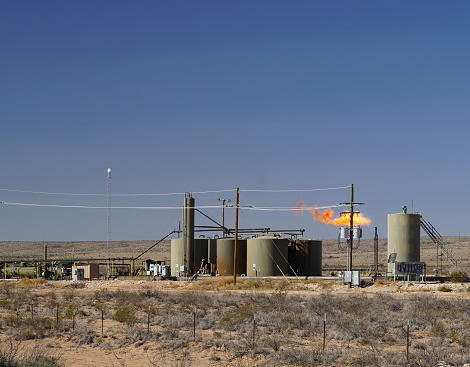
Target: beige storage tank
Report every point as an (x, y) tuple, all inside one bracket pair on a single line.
[(177, 255), (225, 256), (404, 237), (305, 257), (267, 256)]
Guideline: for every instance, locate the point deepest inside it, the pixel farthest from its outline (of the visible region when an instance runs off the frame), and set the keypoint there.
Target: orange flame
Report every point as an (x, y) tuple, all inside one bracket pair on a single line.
[(345, 219), (322, 216), (326, 216)]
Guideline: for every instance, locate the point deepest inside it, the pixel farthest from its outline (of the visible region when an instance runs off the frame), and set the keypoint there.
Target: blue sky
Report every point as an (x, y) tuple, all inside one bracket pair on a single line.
[(180, 96)]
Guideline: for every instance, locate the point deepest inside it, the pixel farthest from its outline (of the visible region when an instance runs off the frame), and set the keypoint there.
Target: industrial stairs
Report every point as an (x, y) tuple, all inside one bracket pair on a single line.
[(439, 241)]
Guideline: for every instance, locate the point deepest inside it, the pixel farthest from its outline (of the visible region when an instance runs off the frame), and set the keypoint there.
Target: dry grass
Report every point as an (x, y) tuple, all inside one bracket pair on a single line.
[(31, 283), (265, 324)]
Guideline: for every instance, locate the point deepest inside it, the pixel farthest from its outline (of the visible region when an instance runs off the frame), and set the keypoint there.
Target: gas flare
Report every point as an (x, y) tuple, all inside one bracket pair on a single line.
[(322, 216), (326, 216), (345, 219)]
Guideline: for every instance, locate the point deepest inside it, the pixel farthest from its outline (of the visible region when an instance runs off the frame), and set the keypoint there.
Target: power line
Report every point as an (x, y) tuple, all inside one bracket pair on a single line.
[(169, 193), (299, 190), (246, 207), (76, 194)]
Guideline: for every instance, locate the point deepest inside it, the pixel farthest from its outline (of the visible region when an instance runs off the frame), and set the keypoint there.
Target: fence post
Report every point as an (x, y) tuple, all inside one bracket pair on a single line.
[(57, 316), (194, 324), (407, 340), (102, 322), (324, 333), (254, 331)]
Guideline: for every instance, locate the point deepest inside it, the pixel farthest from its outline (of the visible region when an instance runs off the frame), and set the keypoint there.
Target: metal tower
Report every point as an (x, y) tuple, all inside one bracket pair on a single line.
[(108, 205)]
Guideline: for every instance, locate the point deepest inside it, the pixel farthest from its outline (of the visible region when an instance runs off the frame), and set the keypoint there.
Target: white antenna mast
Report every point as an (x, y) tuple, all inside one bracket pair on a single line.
[(108, 237)]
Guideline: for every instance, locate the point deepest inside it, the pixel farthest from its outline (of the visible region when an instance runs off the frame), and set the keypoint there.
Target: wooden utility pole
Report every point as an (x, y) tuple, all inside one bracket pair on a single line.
[(351, 229), (236, 239)]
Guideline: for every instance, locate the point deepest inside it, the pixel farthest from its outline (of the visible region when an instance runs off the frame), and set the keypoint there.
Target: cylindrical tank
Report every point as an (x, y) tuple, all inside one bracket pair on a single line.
[(404, 237), (225, 256), (201, 250), (177, 255), (267, 256), (305, 257), (212, 251)]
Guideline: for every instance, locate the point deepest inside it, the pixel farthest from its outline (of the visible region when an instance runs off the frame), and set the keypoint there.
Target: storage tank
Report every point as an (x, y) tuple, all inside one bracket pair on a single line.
[(212, 251), (404, 237), (225, 256), (201, 248), (305, 257), (177, 255), (267, 256)]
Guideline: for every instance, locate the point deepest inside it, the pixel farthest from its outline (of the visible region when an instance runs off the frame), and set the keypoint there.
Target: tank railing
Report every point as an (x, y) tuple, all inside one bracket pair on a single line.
[(439, 241)]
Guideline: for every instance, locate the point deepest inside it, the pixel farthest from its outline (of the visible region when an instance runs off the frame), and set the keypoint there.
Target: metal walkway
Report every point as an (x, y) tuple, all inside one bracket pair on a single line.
[(439, 241)]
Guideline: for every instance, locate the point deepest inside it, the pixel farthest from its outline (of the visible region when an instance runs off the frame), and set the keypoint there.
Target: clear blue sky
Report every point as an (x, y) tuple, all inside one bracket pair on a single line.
[(180, 96)]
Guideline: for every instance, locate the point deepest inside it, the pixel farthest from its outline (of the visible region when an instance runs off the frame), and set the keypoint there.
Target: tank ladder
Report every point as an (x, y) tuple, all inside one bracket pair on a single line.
[(439, 241)]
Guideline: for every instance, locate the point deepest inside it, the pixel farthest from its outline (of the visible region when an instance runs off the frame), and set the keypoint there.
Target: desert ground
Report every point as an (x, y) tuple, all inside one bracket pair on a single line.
[(213, 322)]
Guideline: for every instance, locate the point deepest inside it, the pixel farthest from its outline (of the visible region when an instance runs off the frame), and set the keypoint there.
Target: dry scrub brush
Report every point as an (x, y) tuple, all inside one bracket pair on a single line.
[(269, 327)]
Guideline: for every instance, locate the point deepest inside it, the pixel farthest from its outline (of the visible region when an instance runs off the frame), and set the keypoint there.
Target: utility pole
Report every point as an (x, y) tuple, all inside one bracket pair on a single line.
[(236, 239), (376, 252), (108, 204), (351, 229)]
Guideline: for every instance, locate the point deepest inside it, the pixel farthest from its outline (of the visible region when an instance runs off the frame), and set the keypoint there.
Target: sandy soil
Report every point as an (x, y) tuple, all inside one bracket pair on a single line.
[(149, 354)]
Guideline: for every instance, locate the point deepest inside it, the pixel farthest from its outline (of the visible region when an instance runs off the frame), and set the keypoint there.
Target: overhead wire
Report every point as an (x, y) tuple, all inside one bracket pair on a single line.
[(167, 207), (299, 190), (117, 195), (100, 207), (169, 193)]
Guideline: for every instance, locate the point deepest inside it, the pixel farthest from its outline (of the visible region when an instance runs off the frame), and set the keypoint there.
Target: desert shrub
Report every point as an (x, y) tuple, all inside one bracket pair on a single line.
[(366, 358), (459, 336), (444, 288), (122, 297), (126, 315), (70, 312), (206, 323), (100, 297), (84, 337), (300, 356), (239, 314), (438, 330), (6, 287), (459, 277), (37, 328)]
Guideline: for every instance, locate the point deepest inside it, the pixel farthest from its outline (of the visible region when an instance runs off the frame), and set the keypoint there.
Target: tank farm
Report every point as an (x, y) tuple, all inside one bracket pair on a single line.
[(252, 253)]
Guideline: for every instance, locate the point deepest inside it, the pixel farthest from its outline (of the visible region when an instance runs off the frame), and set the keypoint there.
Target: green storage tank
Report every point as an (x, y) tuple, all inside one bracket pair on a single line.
[(177, 255), (305, 257), (225, 256), (404, 237), (267, 256)]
